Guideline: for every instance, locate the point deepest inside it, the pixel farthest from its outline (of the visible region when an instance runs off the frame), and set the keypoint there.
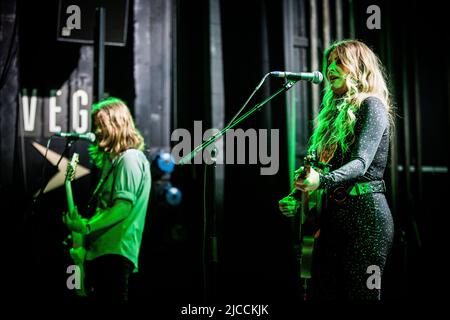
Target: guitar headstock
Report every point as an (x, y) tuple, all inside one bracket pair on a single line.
[(312, 159), (72, 166)]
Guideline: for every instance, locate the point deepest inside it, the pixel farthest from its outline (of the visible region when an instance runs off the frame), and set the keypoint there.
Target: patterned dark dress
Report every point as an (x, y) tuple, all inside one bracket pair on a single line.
[(358, 233)]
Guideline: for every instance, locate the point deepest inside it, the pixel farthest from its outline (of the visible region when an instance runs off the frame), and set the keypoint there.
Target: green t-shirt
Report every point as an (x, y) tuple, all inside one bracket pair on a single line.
[(130, 179)]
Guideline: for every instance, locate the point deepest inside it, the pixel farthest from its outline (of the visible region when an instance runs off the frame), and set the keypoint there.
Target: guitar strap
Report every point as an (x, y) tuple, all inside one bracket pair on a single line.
[(112, 191), (92, 204)]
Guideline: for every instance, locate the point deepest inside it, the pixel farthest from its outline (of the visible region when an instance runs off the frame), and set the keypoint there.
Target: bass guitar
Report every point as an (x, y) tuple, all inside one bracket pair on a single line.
[(77, 252)]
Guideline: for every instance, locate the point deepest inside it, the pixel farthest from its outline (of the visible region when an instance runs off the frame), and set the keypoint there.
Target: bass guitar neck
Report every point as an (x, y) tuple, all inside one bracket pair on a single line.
[(77, 252)]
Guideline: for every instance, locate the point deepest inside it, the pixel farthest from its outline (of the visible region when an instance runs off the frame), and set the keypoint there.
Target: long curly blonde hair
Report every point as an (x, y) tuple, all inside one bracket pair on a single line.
[(336, 121), (114, 129)]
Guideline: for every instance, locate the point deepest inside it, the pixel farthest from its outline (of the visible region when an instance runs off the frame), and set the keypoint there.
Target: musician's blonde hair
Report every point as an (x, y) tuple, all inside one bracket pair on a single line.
[(114, 128), (366, 78)]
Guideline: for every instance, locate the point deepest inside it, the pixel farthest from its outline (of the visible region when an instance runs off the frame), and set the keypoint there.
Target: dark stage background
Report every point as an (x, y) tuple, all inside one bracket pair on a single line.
[(186, 61)]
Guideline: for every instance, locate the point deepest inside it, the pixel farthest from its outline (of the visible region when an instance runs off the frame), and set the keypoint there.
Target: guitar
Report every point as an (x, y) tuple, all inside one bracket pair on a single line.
[(307, 225), (77, 252)]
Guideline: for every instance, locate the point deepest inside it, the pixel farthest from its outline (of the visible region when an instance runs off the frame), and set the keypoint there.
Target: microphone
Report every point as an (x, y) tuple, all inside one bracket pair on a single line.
[(88, 136), (315, 77)]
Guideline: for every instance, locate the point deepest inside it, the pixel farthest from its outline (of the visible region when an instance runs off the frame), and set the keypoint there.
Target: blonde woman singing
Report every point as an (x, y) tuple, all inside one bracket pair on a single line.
[(352, 134)]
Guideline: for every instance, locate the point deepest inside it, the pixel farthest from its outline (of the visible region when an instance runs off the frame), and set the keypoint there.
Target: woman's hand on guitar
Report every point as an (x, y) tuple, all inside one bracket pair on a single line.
[(308, 182), (75, 222), (288, 206), (299, 172)]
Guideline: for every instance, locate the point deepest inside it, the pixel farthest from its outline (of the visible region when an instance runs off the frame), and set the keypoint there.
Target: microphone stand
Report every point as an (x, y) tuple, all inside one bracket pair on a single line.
[(186, 160)]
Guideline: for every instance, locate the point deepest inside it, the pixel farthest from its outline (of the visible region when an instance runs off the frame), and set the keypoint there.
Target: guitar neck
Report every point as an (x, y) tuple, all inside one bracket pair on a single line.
[(69, 195), (77, 238), (297, 194)]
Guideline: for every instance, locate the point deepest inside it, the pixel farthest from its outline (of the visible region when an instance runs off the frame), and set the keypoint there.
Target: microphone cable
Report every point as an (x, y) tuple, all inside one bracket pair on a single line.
[(205, 219)]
